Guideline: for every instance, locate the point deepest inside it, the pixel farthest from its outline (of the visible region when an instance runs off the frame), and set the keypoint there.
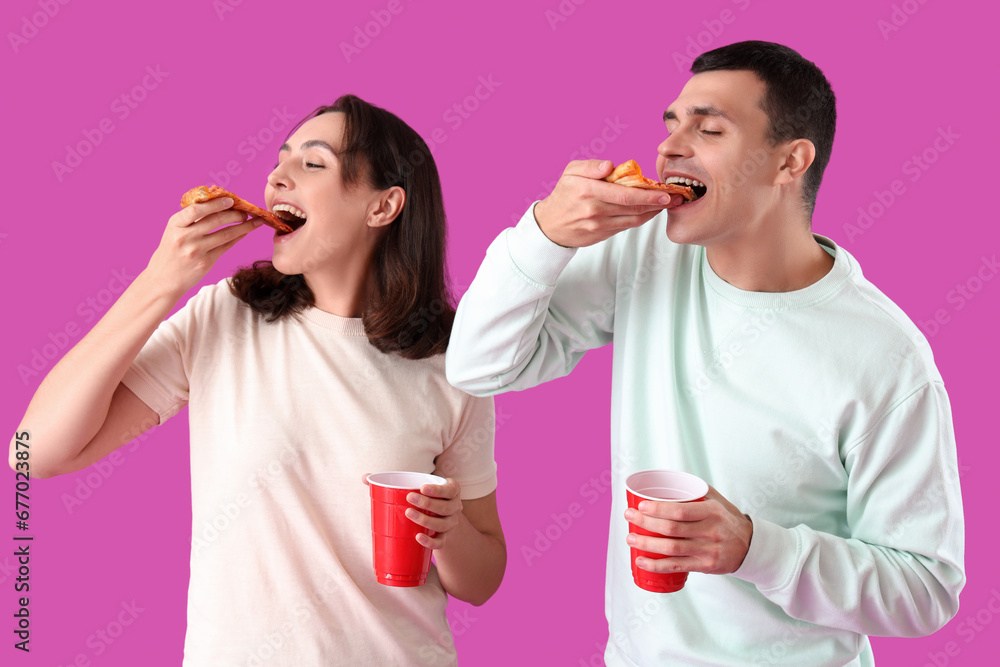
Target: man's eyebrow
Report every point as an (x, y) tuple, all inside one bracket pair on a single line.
[(707, 110), (312, 143)]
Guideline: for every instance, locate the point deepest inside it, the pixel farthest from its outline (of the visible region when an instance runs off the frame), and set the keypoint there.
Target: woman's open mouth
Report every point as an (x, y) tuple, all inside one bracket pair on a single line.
[(291, 215)]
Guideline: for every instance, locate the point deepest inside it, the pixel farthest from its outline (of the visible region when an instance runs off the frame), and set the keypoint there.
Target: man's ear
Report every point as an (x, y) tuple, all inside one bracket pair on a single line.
[(386, 207), (799, 154)]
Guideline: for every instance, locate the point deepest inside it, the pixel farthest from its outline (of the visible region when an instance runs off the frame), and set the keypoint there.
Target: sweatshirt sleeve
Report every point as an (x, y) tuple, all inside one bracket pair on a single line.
[(531, 313), (901, 570)]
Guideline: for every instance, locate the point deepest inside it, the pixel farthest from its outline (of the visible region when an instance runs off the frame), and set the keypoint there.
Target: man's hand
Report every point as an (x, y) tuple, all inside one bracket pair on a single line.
[(710, 536), (583, 209)]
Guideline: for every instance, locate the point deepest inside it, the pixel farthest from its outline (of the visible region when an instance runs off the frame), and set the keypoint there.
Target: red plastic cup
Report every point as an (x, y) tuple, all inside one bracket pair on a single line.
[(398, 558), (662, 486)]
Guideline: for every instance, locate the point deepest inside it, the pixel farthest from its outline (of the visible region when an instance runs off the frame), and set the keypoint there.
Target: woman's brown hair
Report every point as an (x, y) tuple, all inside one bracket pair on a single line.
[(409, 309)]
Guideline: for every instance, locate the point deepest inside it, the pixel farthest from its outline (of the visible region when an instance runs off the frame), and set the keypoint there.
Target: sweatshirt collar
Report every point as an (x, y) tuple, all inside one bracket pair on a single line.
[(843, 266)]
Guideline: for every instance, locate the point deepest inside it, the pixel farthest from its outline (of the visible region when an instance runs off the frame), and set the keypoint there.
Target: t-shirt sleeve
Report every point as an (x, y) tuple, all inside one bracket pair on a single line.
[(469, 456), (160, 374)]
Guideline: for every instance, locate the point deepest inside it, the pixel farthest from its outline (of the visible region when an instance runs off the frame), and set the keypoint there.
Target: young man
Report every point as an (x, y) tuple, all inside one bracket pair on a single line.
[(752, 353)]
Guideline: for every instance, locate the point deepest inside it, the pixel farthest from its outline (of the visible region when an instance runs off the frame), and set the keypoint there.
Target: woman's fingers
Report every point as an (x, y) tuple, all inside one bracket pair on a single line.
[(189, 215), (225, 238), (435, 499)]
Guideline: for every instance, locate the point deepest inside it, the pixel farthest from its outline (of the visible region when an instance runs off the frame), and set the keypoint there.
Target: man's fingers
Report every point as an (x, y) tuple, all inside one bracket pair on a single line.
[(673, 511), (589, 168), (667, 527), (663, 545), (667, 565)]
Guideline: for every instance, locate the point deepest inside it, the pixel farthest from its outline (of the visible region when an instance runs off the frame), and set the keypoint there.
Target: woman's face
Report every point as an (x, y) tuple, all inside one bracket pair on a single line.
[(330, 221)]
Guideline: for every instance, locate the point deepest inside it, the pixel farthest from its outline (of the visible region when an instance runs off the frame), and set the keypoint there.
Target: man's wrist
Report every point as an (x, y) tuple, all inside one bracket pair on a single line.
[(534, 254), (536, 213)]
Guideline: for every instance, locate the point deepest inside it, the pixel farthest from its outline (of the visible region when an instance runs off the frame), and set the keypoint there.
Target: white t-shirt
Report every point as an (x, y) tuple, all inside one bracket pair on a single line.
[(285, 418)]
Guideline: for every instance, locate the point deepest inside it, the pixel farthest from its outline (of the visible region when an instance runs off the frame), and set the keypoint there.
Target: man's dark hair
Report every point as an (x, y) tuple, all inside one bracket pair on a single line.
[(798, 100)]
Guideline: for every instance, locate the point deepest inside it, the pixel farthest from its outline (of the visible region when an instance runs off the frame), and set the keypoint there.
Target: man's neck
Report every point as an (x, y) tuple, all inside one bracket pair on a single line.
[(774, 258)]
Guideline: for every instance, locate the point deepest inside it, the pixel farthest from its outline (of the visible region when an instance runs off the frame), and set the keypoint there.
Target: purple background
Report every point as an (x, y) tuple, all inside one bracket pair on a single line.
[(561, 75)]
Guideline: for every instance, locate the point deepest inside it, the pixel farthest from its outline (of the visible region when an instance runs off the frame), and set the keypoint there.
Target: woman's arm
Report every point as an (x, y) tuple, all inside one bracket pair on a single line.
[(81, 412), (469, 550)]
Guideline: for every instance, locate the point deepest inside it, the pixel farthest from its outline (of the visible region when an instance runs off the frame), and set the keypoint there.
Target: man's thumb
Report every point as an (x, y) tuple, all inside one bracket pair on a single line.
[(589, 168), (601, 168)]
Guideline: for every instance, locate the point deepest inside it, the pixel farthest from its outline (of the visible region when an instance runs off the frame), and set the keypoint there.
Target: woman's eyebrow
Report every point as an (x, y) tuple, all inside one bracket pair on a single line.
[(312, 143)]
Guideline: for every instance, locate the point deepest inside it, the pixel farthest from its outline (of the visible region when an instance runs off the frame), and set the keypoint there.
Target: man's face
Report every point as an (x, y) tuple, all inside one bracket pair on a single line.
[(718, 136)]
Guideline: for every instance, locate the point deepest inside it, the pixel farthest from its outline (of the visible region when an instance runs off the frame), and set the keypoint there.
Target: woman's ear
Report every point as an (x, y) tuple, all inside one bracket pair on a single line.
[(386, 206)]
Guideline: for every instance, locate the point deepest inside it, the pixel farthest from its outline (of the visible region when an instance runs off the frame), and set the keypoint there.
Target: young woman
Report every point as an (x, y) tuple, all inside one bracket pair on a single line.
[(300, 375)]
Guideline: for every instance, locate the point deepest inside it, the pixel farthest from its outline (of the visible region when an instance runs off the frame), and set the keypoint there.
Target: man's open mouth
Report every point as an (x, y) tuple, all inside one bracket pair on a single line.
[(291, 215), (697, 187)]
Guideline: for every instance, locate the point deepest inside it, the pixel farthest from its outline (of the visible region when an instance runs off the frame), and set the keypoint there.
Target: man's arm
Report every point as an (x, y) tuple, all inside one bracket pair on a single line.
[(901, 571), (514, 329)]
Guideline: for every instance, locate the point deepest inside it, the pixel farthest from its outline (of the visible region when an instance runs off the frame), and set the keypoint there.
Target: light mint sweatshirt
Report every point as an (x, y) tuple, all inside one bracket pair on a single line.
[(818, 412)]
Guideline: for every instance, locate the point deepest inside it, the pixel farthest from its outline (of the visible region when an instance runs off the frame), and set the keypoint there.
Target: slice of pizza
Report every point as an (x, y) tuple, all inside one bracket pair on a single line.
[(204, 193), (630, 174)]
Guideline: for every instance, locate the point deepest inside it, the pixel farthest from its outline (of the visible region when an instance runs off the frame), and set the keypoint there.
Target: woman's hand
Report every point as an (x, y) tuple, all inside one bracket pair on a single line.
[(194, 238), (441, 499)]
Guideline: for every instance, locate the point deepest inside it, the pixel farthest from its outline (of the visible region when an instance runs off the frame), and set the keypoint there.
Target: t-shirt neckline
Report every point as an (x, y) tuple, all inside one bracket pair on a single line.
[(343, 326)]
